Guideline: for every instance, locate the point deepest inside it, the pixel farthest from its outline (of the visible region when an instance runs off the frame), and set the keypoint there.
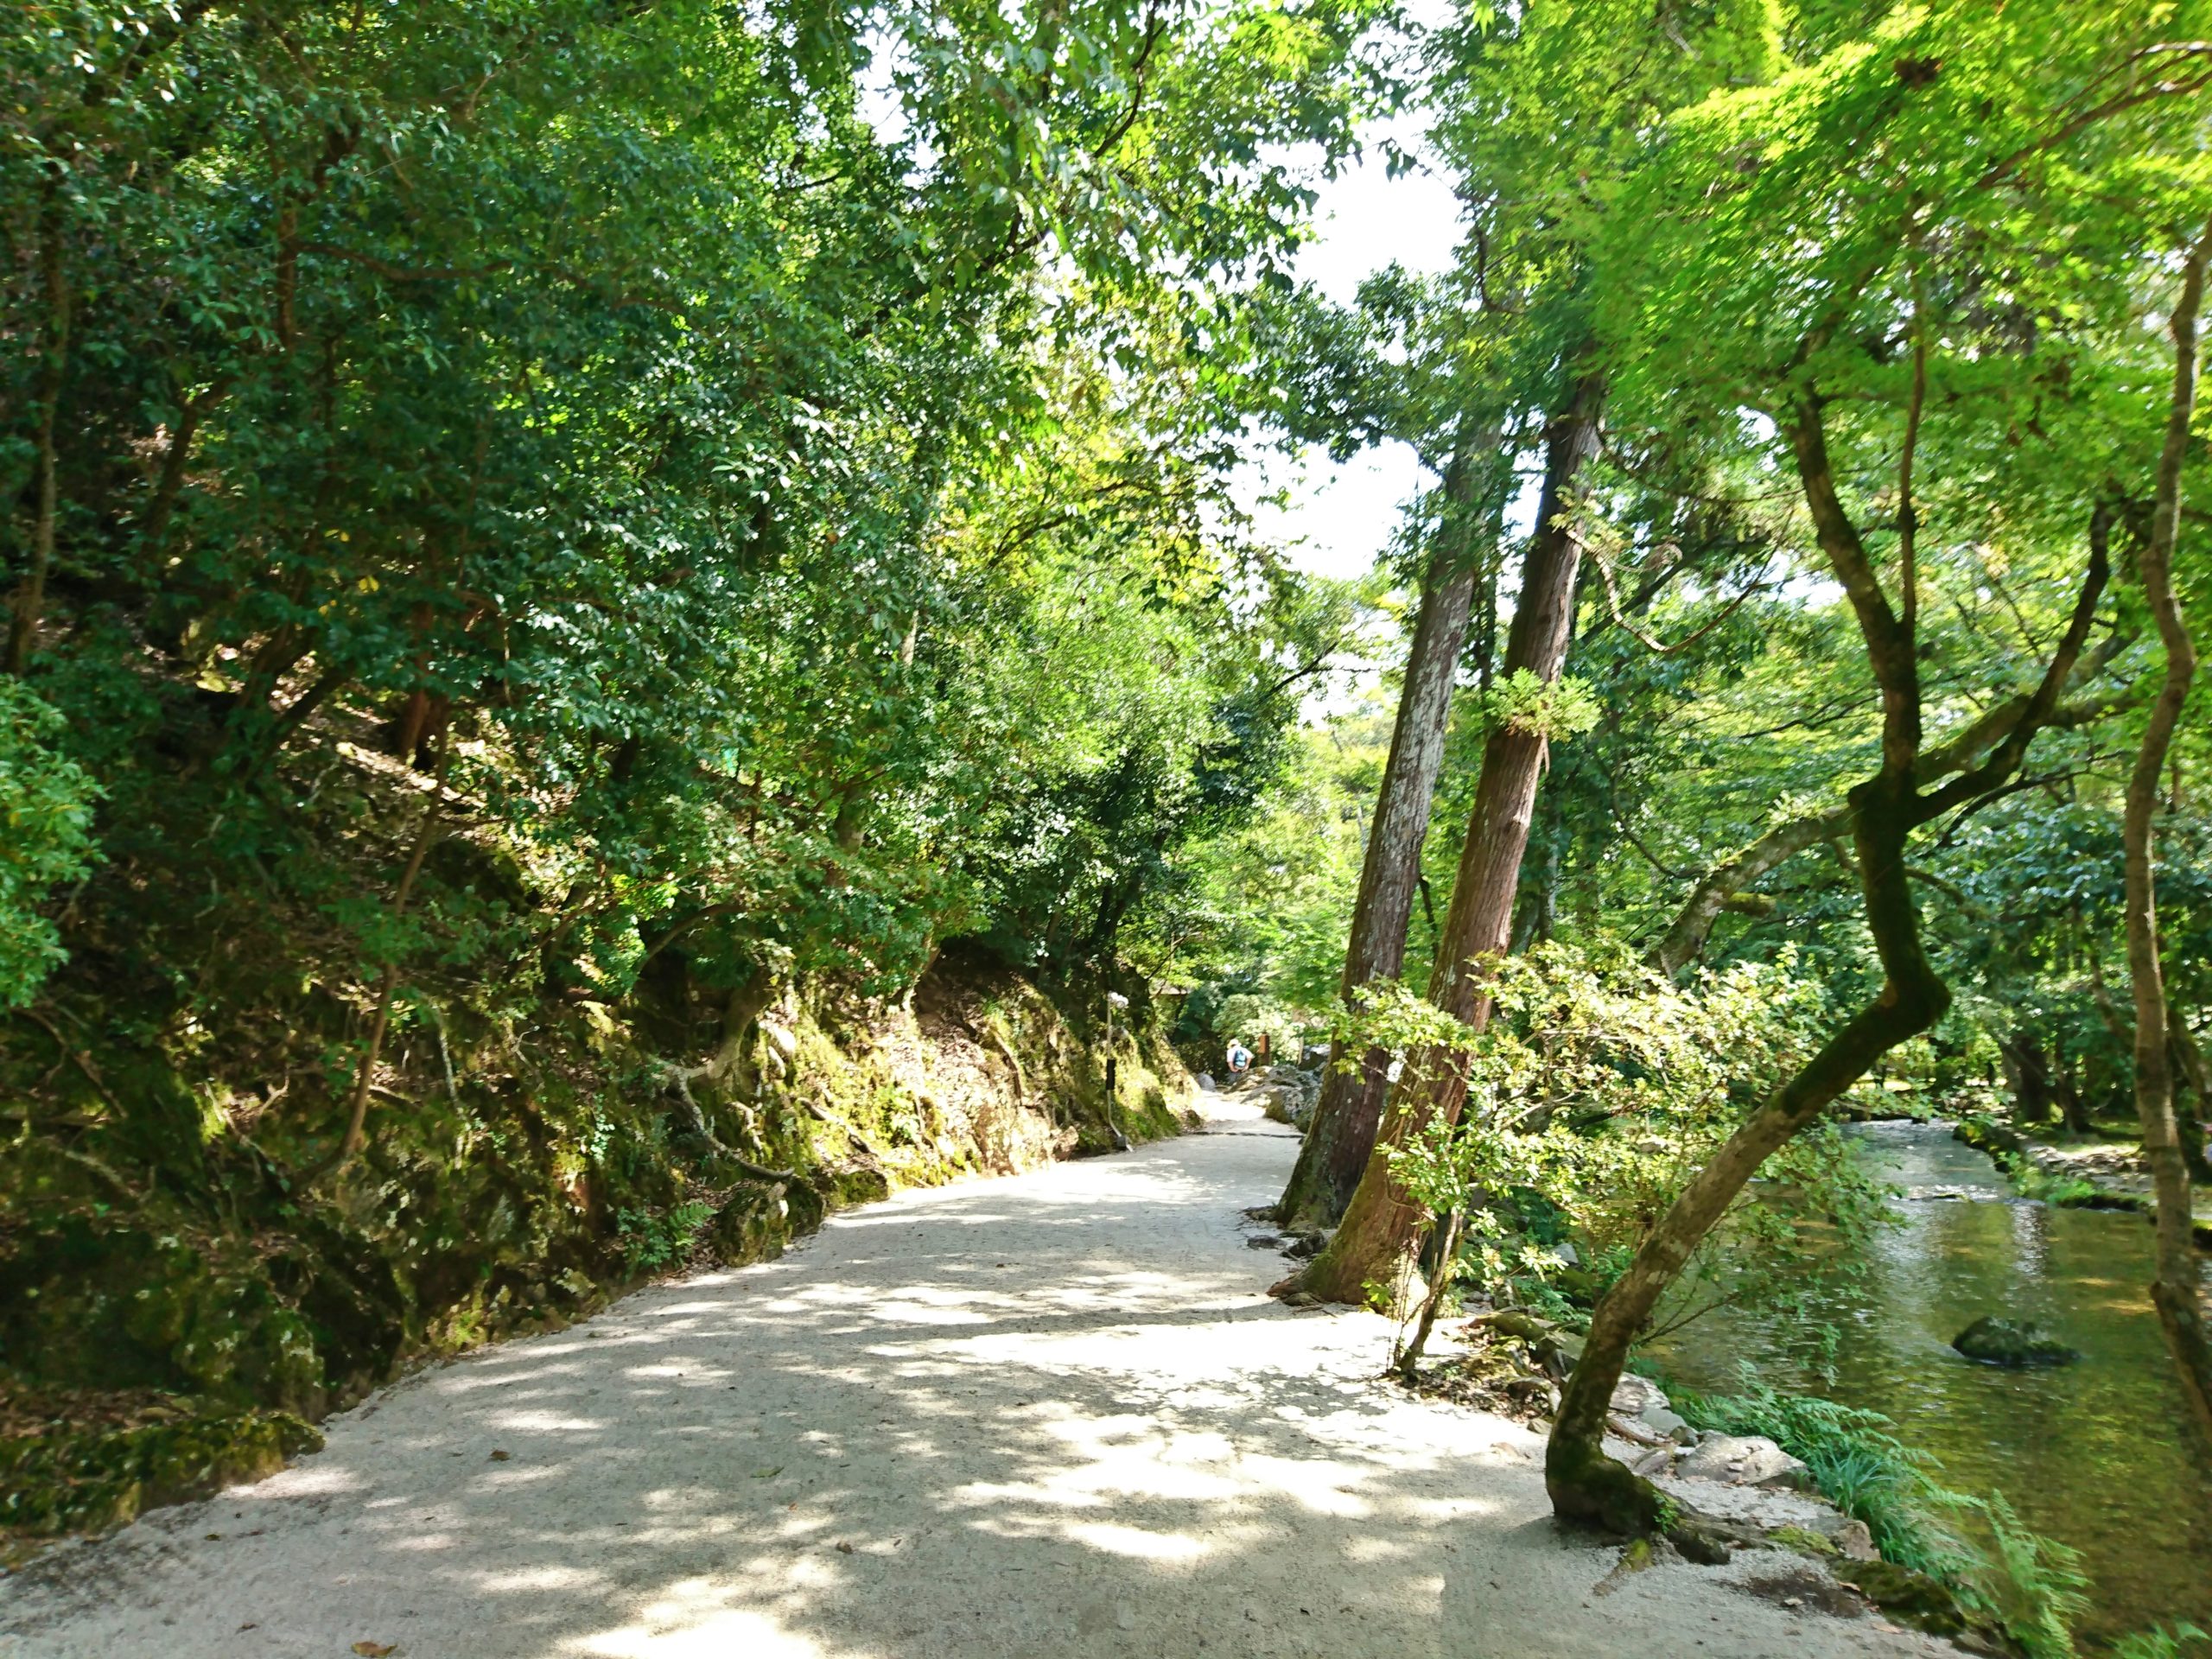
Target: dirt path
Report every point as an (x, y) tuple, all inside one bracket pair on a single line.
[(1051, 1415)]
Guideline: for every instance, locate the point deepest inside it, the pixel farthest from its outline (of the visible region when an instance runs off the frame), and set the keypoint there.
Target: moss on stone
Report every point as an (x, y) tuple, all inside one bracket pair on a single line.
[(70, 1479), (1919, 1601), (1805, 1541), (505, 1198)]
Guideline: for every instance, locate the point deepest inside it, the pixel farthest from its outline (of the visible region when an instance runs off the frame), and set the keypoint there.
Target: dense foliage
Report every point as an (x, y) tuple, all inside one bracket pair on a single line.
[(574, 565), (561, 556)]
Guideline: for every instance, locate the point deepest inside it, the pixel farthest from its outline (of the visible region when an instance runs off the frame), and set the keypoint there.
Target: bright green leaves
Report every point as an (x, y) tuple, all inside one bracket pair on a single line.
[(1552, 709), (46, 811)]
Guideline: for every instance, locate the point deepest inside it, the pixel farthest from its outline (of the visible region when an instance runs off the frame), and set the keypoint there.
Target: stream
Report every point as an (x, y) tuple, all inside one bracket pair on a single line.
[(2096, 1454)]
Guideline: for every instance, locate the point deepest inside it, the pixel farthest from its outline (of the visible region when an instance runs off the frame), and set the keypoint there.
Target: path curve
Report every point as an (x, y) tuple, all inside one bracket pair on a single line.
[(1054, 1414)]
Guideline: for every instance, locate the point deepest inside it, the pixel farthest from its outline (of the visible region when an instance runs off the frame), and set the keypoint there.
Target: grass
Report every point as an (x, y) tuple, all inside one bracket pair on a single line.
[(1859, 1466), (1977, 1547)]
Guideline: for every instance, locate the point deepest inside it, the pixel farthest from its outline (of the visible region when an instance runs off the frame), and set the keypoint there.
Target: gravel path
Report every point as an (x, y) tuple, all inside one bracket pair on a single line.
[(1053, 1415)]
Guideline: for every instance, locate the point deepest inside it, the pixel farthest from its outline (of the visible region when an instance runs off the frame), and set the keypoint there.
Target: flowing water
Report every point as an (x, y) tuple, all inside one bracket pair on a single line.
[(2096, 1454)]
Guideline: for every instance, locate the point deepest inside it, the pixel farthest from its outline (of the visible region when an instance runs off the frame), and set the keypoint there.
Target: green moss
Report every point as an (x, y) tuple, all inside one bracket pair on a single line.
[(1805, 1543), (89, 1480), (1587, 1485), (1918, 1600), (753, 1224), (526, 1191)]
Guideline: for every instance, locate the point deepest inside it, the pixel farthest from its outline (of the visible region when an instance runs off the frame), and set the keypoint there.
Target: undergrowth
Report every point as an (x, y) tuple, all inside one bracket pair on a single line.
[(1977, 1547), (652, 1240), (1859, 1465), (2161, 1642)]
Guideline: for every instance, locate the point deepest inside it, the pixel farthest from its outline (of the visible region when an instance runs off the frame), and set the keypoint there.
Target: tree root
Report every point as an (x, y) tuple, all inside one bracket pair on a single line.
[(695, 1123), (1588, 1486)]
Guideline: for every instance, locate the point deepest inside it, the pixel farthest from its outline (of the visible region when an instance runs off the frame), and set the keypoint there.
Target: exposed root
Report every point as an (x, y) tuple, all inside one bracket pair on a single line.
[(1588, 1486)]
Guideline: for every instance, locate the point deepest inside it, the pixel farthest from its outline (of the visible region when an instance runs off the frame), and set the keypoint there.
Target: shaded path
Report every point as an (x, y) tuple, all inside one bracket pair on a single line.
[(1052, 1414)]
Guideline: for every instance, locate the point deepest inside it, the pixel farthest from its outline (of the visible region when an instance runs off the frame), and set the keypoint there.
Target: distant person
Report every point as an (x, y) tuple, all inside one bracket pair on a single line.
[(1239, 1058)]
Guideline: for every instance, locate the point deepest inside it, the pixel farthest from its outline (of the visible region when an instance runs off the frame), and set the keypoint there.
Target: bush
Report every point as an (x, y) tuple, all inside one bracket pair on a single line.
[(1598, 1089), (46, 816)]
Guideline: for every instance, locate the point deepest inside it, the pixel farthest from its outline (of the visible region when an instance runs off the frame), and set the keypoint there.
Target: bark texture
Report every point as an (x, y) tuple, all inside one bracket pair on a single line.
[(1379, 1224), (30, 595), (1342, 1132), (2176, 1292)]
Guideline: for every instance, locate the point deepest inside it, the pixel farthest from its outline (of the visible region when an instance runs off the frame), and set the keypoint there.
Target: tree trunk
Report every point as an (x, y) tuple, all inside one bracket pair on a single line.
[(2073, 1107), (2188, 1066), (2178, 1290), (30, 597), (1342, 1132), (1371, 1245), (2028, 1076), (1586, 1485), (1726, 887), (357, 1119)]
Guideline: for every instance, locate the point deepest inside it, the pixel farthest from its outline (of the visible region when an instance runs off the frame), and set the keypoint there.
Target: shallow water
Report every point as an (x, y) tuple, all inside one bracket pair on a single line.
[(2096, 1455)]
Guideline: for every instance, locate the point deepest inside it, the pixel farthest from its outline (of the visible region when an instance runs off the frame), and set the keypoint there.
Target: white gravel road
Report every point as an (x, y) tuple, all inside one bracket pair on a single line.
[(1054, 1414)]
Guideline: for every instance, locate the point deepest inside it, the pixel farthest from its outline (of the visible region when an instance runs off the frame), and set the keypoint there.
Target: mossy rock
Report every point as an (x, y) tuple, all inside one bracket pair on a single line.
[(90, 1480), (753, 1224), (1925, 1603), (1984, 1135), (120, 1307), (861, 1184), (2015, 1344), (1805, 1541)]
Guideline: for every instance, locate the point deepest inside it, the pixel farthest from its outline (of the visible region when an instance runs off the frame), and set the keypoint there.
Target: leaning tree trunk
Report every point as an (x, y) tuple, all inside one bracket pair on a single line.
[(1342, 1132), (2178, 1290), (1379, 1225), (1584, 1482)]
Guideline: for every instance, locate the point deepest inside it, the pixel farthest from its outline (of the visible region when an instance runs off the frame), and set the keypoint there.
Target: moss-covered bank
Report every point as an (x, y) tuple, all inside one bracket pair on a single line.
[(181, 1293)]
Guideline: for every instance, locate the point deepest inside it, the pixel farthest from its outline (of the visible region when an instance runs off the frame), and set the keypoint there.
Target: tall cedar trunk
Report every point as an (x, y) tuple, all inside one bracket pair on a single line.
[(1379, 1224), (1342, 1133), (1586, 1485), (2176, 1292), (30, 597)]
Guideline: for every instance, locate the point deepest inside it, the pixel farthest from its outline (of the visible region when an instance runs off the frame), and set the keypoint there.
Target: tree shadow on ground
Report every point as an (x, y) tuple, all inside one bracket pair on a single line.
[(1056, 1417)]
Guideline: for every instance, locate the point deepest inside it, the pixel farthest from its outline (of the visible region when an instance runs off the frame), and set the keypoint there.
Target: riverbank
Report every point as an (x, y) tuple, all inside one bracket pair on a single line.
[(2080, 1174), (2097, 1455), (1053, 1413)]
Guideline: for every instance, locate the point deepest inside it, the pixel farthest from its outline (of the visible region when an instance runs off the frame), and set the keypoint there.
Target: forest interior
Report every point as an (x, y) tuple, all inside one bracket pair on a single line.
[(646, 637)]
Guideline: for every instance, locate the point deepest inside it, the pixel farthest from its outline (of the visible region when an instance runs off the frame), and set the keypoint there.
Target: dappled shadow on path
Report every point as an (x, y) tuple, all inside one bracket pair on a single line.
[(1051, 1415)]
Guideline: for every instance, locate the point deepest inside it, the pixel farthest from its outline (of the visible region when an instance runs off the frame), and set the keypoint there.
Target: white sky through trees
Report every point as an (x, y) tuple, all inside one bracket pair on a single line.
[(1338, 518)]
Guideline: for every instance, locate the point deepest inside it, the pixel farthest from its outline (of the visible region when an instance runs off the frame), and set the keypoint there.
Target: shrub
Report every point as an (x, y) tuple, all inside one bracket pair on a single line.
[(46, 816)]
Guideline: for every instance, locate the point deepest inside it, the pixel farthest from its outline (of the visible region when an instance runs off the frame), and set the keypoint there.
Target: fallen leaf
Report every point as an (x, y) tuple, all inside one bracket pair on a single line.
[(374, 1649), (768, 1474), (498, 1457)]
